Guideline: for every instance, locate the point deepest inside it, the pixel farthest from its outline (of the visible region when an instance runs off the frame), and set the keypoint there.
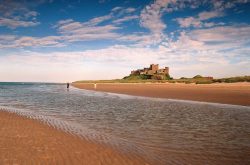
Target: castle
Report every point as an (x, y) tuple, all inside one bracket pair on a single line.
[(152, 70)]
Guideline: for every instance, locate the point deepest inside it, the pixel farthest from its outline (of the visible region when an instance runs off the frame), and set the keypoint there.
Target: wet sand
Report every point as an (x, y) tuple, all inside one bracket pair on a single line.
[(28, 141), (226, 93)]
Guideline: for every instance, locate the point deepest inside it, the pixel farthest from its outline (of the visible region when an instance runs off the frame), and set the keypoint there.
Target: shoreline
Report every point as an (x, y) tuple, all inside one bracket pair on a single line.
[(224, 93), (29, 141)]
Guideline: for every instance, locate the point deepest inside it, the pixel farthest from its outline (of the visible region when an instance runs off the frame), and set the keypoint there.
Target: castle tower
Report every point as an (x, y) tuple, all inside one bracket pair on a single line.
[(154, 67), (167, 70)]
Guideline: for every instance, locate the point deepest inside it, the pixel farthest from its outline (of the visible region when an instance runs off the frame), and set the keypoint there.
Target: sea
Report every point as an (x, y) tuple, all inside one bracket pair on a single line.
[(163, 131)]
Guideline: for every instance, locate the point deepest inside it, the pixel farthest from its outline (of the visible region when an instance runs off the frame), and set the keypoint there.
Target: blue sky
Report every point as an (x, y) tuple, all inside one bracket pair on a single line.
[(58, 41)]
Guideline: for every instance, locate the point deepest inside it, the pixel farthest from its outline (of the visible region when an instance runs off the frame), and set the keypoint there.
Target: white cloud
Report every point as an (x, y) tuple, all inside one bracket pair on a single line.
[(67, 27), (142, 39), (12, 23), (126, 18), (198, 21), (205, 15), (76, 31), (130, 10), (214, 51), (116, 9), (206, 45), (31, 14), (232, 34), (183, 60), (151, 16), (17, 14), (121, 12), (11, 41), (69, 31), (7, 38), (62, 22), (192, 53), (225, 4), (151, 19), (97, 20), (92, 30), (98, 28), (189, 21)]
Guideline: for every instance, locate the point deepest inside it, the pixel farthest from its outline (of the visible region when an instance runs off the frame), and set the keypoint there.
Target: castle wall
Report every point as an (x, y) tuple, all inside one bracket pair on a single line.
[(150, 72), (153, 69)]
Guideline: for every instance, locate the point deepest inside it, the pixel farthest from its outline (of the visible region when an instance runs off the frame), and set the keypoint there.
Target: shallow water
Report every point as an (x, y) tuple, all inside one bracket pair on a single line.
[(164, 131)]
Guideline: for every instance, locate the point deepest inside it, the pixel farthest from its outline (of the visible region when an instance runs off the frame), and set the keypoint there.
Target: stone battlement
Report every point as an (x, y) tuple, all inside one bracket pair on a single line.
[(152, 70)]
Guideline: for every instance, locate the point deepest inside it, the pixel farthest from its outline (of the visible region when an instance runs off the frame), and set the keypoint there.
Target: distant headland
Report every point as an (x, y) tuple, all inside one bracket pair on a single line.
[(155, 82), (154, 74)]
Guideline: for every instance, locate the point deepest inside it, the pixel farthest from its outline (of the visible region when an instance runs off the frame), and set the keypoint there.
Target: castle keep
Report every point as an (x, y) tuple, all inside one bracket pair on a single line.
[(152, 70)]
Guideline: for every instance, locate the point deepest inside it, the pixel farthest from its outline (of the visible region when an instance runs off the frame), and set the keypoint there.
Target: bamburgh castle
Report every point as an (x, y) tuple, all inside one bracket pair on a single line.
[(152, 70)]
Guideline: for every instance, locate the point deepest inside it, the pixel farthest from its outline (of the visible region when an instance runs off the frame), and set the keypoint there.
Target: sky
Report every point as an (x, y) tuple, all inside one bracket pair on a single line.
[(65, 41)]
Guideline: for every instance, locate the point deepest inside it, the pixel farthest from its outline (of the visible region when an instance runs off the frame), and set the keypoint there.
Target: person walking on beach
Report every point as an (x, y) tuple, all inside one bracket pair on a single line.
[(67, 85)]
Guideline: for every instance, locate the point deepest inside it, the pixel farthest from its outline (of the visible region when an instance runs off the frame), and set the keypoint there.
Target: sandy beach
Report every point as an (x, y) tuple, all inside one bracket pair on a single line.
[(155, 132), (226, 93), (27, 141)]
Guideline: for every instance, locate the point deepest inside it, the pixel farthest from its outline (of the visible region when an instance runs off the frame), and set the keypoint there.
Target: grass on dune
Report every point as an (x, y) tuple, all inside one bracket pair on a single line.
[(196, 80)]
